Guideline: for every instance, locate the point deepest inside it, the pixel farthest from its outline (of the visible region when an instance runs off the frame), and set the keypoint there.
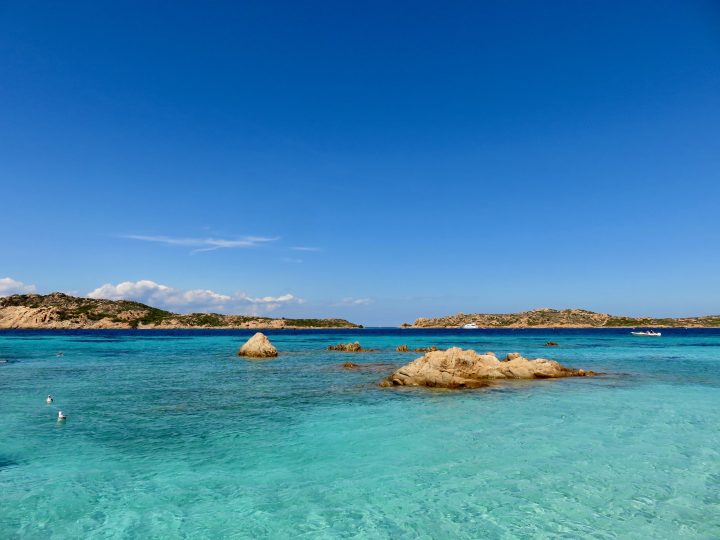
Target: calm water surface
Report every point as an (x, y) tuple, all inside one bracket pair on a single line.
[(172, 436)]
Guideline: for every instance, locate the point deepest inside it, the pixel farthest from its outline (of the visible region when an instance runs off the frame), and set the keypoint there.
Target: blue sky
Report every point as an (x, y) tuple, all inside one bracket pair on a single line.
[(372, 160)]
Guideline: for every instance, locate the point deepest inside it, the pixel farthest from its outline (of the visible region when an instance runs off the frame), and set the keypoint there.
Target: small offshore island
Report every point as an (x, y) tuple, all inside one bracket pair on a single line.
[(561, 318), (62, 311)]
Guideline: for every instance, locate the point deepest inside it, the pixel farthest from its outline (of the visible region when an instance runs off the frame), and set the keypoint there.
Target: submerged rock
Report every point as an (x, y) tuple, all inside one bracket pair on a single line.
[(458, 368), (348, 347), (432, 348), (258, 346), (405, 348), (551, 344), (379, 367)]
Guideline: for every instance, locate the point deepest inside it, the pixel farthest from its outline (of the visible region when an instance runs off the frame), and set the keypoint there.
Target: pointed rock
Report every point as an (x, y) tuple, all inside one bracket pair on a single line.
[(258, 346)]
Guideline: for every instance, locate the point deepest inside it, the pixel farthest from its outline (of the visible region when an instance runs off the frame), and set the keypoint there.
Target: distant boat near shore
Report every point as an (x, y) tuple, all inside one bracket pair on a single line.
[(647, 333), (470, 326)]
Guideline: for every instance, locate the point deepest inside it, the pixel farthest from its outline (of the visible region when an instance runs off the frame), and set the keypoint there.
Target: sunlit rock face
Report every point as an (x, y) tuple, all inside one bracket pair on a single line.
[(258, 346), (458, 368)]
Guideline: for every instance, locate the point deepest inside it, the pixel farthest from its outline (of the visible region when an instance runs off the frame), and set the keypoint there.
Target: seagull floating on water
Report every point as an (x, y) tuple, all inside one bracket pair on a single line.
[(61, 416), (49, 399), (60, 354)]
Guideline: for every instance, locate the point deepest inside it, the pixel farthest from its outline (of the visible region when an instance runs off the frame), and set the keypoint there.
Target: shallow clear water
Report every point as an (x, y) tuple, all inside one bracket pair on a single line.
[(170, 435)]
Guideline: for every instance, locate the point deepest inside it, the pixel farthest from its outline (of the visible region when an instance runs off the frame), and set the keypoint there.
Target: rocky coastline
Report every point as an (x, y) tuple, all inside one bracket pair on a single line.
[(61, 311), (561, 318)]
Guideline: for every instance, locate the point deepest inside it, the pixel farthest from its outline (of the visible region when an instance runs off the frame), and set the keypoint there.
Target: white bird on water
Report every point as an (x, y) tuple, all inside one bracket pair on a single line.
[(61, 416), (49, 399)]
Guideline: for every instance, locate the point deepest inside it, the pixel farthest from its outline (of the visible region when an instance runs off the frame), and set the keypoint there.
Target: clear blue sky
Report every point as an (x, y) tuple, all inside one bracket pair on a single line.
[(429, 158)]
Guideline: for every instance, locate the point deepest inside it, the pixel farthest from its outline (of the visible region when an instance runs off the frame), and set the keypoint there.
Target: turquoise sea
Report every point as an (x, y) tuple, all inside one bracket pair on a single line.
[(170, 435)]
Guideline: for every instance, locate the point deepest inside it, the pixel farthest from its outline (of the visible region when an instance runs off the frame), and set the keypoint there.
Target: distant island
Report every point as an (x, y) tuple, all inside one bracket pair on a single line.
[(62, 311), (561, 318)]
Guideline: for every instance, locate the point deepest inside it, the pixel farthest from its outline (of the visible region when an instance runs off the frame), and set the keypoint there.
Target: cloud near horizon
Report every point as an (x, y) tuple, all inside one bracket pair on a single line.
[(355, 301), (186, 300), (203, 244), (10, 286)]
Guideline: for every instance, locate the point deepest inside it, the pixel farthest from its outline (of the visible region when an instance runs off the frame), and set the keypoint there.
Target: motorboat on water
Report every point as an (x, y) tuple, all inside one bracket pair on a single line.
[(470, 326), (647, 333)]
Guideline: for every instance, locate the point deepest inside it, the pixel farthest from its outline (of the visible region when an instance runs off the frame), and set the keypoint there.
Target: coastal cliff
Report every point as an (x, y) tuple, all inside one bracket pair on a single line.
[(561, 318), (58, 311)]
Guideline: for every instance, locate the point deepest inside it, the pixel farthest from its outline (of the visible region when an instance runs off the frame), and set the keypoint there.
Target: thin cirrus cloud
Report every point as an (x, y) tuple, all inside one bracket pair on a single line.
[(305, 248), (203, 244), (356, 301), (185, 300)]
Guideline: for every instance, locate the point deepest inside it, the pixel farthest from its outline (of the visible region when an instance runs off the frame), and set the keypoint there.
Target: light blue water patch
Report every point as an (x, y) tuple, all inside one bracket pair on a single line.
[(170, 435)]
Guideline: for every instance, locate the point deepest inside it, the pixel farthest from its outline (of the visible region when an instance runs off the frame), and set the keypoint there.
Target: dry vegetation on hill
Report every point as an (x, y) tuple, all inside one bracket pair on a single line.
[(560, 318), (58, 310)]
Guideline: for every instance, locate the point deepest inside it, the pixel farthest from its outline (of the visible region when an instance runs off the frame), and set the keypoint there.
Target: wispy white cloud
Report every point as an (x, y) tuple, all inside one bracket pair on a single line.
[(305, 248), (10, 286), (349, 301), (184, 300), (203, 244)]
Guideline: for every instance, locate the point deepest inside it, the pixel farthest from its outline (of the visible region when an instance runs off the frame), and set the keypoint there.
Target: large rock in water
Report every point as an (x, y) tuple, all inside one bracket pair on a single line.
[(458, 368), (258, 346)]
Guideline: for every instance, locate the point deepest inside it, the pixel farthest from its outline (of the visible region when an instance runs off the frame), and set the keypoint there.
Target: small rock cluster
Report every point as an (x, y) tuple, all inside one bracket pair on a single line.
[(348, 347), (451, 368)]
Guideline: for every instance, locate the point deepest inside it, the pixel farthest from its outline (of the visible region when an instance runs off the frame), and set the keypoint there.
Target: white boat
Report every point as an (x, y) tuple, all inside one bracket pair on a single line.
[(470, 326), (647, 333)]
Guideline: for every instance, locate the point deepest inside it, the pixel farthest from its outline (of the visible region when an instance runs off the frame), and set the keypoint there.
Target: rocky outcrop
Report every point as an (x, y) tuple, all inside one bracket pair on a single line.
[(551, 344), (258, 346), (458, 368), (402, 348), (348, 347), (51, 318)]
